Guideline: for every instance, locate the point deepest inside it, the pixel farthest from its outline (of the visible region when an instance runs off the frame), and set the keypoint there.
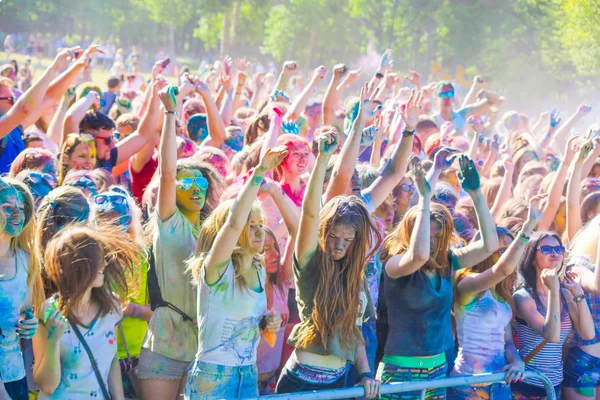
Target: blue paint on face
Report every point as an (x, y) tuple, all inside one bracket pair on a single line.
[(236, 140), (12, 205)]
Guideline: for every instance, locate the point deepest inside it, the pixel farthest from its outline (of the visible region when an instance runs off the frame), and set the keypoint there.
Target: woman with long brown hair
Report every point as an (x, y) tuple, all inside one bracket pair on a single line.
[(329, 264), (77, 152), (483, 313), (89, 268), (420, 258)]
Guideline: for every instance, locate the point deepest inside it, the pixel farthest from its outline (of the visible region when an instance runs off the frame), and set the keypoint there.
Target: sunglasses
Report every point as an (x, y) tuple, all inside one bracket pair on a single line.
[(107, 140), (408, 188), (446, 95), (549, 249), (186, 183), (35, 178), (103, 199), (11, 99), (85, 183)]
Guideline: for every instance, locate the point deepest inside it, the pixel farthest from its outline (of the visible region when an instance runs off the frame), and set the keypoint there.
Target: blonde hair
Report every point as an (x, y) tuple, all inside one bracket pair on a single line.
[(73, 140), (209, 231)]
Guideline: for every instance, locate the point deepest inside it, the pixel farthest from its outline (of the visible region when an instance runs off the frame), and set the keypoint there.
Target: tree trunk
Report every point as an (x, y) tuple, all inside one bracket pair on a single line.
[(234, 25), (312, 41), (225, 34)]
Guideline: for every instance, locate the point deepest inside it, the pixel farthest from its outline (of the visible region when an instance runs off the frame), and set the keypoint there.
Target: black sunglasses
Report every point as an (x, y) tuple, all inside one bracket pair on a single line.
[(11, 99)]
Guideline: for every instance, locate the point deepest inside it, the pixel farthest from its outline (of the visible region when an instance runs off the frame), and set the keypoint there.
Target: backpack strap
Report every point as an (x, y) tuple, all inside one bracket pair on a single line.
[(535, 351)]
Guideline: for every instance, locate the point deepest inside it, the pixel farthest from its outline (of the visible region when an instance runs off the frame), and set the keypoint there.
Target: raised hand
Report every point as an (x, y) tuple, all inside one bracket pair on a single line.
[(328, 143), (445, 131), (94, 97), (279, 96), (571, 286), (414, 78), (157, 69), (241, 64), (225, 81), (86, 56), (412, 110), (202, 88), (478, 80), (549, 279), (366, 111), (241, 77), (444, 158), (368, 136), (64, 58), (584, 151), (227, 64), (572, 147), (272, 158), (423, 187), (555, 119), (339, 70), (289, 67), (468, 175), (353, 75), (168, 96), (158, 84), (509, 167), (319, 73), (475, 122), (385, 63), (583, 109), (537, 204)]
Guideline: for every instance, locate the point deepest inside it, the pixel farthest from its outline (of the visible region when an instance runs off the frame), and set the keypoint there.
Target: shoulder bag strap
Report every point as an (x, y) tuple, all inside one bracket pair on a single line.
[(535, 351), (92, 360), (123, 341)]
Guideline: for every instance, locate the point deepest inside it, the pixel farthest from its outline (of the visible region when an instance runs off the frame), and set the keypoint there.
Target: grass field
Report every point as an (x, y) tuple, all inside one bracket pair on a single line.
[(99, 75)]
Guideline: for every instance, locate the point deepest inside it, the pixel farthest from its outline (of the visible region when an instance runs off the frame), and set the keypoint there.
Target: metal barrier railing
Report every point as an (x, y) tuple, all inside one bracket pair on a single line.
[(400, 387)]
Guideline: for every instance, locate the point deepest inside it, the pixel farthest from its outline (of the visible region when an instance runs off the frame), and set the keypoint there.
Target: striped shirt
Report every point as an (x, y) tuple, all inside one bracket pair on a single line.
[(549, 360), (593, 300)]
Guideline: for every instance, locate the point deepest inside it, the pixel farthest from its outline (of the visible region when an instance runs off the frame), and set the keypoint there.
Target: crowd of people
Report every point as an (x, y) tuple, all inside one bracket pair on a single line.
[(235, 235)]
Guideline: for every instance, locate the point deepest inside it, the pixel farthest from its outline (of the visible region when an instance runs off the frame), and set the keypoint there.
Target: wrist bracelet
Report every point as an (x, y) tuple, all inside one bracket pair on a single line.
[(379, 75), (408, 133), (171, 112), (578, 298), (522, 237), (366, 375)]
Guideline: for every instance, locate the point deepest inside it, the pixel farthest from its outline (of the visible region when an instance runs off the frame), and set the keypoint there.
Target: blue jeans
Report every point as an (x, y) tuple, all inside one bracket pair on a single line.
[(17, 390), (582, 370), (213, 381), (495, 391), (370, 337)]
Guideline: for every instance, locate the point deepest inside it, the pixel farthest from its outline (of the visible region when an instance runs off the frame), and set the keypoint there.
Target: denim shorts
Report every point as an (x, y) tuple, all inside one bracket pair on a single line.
[(581, 370), (213, 381), (524, 391), (154, 366), (495, 391)]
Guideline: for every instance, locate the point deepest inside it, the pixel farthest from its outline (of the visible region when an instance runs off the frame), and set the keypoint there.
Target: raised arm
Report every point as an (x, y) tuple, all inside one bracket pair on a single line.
[(148, 127), (216, 128), (477, 283), (32, 99), (557, 185), (589, 162), (55, 128), (547, 326), (308, 229), (167, 155), (76, 113), (590, 281), (345, 162), (218, 258), (560, 136), (289, 67), (396, 167), (505, 191), (301, 101), (330, 102), (480, 250), (471, 96), (272, 134), (418, 252), (574, 192), (577, 305)]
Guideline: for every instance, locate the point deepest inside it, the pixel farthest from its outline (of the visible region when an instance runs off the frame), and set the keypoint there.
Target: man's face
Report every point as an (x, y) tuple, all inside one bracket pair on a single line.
[(104, 143), (6, 104)]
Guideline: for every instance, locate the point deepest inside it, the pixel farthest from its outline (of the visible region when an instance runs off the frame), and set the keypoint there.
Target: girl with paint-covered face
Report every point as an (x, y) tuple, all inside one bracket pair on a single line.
[(39, 183), (187, 193), (229, 272), (329, 265), (117, 208), (483, 313), (77, 152), (549, 303), (21, 291), (420, 258), (89, 267)]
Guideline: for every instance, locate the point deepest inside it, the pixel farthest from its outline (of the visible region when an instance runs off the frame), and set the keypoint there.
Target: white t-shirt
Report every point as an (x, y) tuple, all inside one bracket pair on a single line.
[(228, 319), (78, 381)]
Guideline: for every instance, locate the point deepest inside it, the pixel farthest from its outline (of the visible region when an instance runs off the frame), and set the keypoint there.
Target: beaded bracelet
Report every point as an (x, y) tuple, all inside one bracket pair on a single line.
[(408, 133), (522, 237)]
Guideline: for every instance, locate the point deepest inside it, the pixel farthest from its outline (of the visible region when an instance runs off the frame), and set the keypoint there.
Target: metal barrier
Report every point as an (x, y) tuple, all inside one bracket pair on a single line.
[(399, 387)]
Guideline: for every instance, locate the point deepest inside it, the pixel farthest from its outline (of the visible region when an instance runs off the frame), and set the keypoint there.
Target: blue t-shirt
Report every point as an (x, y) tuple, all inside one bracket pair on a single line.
[(10, 147)]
